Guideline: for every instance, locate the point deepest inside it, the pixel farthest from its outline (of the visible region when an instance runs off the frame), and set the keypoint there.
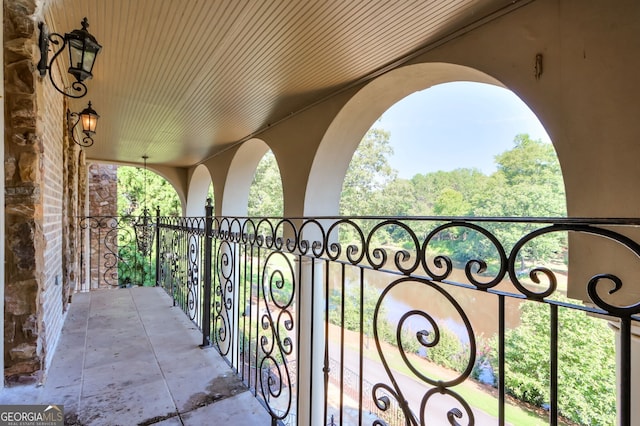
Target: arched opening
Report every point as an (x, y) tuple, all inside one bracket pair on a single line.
[(134, 193), (358, 115), (200, 188), (117, 252), (526, 182), (241, 172), (265, 193), (455, 149)]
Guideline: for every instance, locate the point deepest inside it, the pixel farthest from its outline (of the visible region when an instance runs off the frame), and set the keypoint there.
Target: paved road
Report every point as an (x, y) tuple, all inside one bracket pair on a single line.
[(413, 390)]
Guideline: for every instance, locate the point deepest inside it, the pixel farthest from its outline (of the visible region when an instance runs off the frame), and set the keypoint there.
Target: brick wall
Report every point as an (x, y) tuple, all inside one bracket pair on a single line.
[(51, 104)]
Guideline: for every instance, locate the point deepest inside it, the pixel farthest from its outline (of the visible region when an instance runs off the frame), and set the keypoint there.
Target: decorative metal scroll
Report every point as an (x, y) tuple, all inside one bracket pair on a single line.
[(111, 253), (276, 343), (180, 263), (251, 289)]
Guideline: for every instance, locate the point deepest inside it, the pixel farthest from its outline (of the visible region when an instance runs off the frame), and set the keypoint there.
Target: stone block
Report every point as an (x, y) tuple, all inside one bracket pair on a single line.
[(9, 168), (30, 327), (21, 200), (24, 118), (25, 139), (23, 373), (24, 351), (20, 297), (19, 78), (9, 329), (19, 49), (23, 115), (20, 241), (29, 167), (17, 16)]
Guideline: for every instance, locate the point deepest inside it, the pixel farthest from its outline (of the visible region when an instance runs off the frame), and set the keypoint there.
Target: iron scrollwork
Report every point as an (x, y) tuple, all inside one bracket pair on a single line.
[(419, 263), (427, 338), (113, 259), (276, 344)]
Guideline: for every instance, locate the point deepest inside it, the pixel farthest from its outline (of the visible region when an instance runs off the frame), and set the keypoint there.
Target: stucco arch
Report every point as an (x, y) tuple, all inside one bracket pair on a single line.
[(176, 179), (197, 192), (241, 171), (322, 195)]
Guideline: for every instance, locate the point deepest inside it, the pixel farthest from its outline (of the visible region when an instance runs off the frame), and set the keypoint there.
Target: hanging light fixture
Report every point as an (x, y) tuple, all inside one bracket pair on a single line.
[(83, 49), (143, 226), (88, 118)]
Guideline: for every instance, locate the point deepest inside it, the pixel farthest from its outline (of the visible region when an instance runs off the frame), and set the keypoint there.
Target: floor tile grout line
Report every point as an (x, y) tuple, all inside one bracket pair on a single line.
[(155, 356)]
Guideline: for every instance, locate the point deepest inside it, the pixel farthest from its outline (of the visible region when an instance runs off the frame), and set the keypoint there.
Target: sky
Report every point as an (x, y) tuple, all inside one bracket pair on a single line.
[(456, 125)]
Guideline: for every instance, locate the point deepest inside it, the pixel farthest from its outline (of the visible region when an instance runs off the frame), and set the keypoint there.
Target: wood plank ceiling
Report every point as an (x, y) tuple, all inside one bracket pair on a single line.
[(180, 80)]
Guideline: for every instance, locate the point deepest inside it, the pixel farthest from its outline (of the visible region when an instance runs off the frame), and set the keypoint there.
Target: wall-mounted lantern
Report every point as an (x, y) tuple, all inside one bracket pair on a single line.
[(83, 49), (88, 118)]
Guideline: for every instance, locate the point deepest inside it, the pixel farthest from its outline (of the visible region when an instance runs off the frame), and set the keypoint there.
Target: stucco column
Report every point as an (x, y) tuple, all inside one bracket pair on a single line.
[(311, 345)]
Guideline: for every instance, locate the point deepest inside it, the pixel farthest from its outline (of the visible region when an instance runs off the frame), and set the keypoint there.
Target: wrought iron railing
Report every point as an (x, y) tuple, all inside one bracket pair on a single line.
[(110, 255), (339, 320)]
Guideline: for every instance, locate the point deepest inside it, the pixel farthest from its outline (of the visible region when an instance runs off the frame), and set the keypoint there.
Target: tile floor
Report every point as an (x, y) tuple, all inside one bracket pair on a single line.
[(128, 357)]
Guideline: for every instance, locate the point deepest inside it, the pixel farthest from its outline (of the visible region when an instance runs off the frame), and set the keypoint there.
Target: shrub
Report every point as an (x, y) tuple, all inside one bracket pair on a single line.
[(586, 363)]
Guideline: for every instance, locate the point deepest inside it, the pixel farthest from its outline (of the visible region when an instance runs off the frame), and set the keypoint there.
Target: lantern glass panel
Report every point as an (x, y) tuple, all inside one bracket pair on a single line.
[(89, 122), (75, 53)]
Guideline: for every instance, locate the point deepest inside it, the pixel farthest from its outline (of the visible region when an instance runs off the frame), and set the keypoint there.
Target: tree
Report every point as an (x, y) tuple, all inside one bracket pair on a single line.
[(531, 161), (528, 183), (467, 182), (369, 173), (586, 363), (451, 203), (159, 192), (265, 193), (132, 197)]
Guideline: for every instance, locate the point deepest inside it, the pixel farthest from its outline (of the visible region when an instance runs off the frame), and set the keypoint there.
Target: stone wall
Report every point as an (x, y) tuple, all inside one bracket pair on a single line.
[(41, 196), (24, 239), (103, 189), (103, 201)]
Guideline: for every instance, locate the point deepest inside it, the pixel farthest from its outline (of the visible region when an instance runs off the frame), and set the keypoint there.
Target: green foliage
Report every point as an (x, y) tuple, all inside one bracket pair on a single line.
[(429, 189), (586, 357), (449, 352), (133, 268), (368, 175), (531, 162), (528, 183), (351, 320), (265, 193), (131, 193)]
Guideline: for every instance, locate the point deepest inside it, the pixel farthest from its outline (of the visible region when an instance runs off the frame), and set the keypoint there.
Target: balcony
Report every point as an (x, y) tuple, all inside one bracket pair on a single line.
[(129, 357), (341, 321)]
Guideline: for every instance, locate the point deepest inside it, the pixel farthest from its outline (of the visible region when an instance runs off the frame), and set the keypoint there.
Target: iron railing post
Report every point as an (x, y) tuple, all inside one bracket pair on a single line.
[(625, 371), (157, 246), (206, 302)]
